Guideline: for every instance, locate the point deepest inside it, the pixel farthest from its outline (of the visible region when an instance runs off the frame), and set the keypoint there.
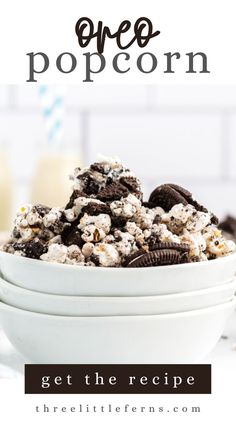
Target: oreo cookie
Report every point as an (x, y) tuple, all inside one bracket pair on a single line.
[(162, 253), (132, 257), (94, 209), (113, 191), (180, 247), (168, 195), (72, 235), (132, 184), (90, 186), (118, 222), (98, 167), (32, 249), (158, 258)]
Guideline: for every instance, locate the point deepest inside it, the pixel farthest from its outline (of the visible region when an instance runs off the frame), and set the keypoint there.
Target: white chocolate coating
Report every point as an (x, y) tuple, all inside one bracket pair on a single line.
[(107, 254)]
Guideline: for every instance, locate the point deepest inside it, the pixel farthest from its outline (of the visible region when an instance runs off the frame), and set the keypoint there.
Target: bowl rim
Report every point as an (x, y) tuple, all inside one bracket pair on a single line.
[(175, 315), (225, 285), (56, 265)]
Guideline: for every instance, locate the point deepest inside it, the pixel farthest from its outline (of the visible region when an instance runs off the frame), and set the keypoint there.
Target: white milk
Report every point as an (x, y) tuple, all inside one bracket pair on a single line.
[(51, 185), (6, 184)]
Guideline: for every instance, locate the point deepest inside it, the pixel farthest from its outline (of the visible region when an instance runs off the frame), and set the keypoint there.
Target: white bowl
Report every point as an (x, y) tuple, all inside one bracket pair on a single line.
[(93, 281), (110, 306), (172, 338)]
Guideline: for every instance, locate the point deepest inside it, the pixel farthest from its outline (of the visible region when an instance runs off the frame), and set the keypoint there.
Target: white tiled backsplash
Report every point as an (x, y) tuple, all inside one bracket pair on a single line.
[(165, 133)]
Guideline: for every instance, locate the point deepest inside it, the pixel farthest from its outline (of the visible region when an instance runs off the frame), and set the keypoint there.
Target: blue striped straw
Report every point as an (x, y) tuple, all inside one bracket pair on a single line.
[(52, 100)]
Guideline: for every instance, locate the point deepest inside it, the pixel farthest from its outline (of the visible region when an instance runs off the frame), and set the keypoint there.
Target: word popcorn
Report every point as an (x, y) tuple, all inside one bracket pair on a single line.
[(122, 62)]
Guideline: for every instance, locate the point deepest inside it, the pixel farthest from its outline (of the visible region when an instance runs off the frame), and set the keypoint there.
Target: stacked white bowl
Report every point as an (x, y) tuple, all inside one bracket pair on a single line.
[(56, 313)]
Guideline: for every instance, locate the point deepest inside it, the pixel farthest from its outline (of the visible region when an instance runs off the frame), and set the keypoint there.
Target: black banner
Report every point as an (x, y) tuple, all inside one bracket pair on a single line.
[(120, 379)]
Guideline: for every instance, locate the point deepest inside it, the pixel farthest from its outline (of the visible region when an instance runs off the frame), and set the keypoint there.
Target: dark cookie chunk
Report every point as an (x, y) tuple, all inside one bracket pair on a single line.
[(94, 259), (57, 227), (96, 208), (168, 195), (133, 185), (159, 258), (32, 249), (98, 167), (90, 186), (130, 183), (148, 205), (113, 191), (72, 235), (118, 222), (183, 247)]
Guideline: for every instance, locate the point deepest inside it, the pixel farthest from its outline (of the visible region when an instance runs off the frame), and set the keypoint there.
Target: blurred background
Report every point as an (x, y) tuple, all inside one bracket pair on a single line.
[(181, 134)]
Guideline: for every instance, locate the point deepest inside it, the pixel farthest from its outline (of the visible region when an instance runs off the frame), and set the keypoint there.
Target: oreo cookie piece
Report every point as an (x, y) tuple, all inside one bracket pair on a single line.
[(72, 235), (168, 195), (90, 185), (118, 222), (161, 253), (159, 258), (147, 205), (180, 247), (32, 249), (132, 257), (94, 209), (132, 184), (98, 167), (113, 191)]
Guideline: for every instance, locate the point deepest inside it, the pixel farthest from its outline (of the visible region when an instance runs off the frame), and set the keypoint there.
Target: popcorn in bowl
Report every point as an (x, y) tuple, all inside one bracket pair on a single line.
[(106, 223)]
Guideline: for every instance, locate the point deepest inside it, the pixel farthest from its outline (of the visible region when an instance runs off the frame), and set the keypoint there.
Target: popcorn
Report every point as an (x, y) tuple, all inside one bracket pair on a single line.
[(87, 249), (126, 207), (107, 254), (56, 253), (94, 228), (61, 254), (182, 217), (216, 245), (196, 242), (106, 223), (79, 203)]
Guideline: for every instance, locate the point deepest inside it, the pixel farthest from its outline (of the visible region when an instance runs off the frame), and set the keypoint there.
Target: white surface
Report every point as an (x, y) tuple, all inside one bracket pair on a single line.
[(149, 135), (169, 338), (100, 281), (102, 306)]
